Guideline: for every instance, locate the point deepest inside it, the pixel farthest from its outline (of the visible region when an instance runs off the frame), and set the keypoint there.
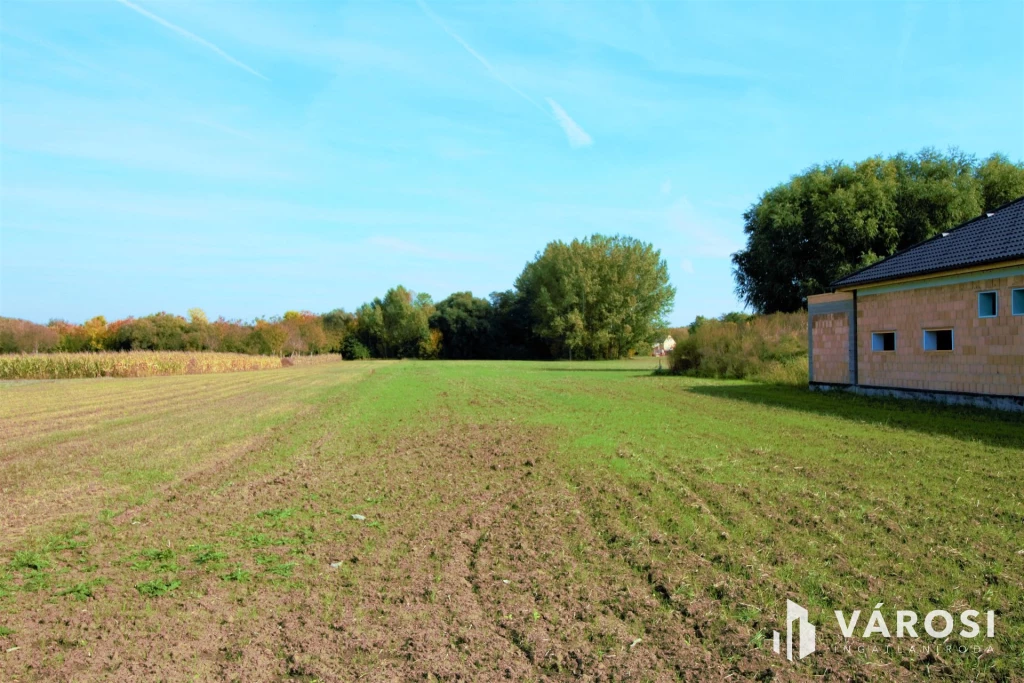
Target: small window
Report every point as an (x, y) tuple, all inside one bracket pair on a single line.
[(938, 340), (883, 341), (1018, 301), (988, 304)]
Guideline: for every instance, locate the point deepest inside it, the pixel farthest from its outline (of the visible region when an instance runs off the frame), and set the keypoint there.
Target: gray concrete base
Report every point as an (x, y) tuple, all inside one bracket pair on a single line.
[(1010, 403)]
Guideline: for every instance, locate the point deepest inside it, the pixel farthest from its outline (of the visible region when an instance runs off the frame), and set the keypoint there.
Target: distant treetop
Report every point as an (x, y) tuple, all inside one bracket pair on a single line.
[(835, 218)]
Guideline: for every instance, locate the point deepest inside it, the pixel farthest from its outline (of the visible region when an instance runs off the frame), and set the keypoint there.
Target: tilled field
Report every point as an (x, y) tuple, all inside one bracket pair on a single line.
[(415, 521)]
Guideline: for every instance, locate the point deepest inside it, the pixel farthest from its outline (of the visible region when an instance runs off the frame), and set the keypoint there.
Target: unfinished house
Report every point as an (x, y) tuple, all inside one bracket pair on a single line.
[(942, 320)]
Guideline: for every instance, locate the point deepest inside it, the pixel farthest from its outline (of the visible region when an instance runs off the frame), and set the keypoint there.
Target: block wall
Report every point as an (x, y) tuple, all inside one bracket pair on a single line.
[(830, 344), (988, 353)]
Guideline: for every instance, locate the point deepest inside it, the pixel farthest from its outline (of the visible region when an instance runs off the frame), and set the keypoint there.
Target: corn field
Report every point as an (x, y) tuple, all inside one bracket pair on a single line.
[(129, 364)]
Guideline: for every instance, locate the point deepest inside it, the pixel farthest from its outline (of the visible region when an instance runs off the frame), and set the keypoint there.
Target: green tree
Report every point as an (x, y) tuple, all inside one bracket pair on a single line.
[(430, 346), (338, 326), (199, 333), (268, 337), (304, 332), (197, 316), (168, 332), (735, 317), (73, 338), (370, 329), (602, 297), (464, 323), (129, 334), (157, 332), (511, 326), (831, 220), (311, 331), (405, 319), (397, 325), (232, 336), (95, 331), (353, 349), (1001, 181)]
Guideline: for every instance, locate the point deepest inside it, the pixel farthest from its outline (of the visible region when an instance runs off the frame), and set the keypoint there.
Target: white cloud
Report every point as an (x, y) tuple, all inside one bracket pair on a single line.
[(577, 136), (193, 37), (666, 186), (687, 266)]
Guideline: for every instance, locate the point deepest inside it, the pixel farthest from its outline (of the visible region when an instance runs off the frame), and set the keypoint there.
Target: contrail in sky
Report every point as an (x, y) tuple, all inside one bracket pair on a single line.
[(193, 37), (577, 136)]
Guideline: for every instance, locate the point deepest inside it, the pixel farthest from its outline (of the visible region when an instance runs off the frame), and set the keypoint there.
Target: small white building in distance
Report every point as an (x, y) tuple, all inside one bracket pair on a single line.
[(665, 347)]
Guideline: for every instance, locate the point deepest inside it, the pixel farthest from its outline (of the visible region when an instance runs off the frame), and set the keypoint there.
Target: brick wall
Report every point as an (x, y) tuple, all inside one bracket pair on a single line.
[(830, 344), (988, 354)]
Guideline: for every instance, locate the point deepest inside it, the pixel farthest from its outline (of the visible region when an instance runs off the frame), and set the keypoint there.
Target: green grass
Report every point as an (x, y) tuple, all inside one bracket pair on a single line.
[(238, 575), (616, 505), (27, 559), (82, 591), (156, 588), (206, 554)]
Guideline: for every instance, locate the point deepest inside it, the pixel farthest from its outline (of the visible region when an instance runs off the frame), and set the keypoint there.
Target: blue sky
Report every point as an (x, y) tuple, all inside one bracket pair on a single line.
[(251, 158)]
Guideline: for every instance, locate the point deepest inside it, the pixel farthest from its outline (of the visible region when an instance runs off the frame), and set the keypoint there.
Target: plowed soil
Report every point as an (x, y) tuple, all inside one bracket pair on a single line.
[(414, 522)]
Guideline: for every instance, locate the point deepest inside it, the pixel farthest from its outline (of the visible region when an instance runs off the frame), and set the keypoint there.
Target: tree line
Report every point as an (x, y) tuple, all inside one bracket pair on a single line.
[(836, 218), (600, 297)]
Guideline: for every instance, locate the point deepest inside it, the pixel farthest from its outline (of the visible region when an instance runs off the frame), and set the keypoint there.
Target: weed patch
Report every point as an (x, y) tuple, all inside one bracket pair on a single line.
[(158, 560), (237, 575), (27, 559), (276, 515), (207, 555), (157, 587), (82, 591), (273, 565)]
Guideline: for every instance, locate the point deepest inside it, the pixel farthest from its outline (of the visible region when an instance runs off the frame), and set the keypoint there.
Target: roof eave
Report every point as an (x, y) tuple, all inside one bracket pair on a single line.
[(981, 265)]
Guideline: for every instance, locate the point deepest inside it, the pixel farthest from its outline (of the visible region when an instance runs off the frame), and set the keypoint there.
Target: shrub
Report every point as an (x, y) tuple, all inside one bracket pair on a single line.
[(353, 349), (767, 348)]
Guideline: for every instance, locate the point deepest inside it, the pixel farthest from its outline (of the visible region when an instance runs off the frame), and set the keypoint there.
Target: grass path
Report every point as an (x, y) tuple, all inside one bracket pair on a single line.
[(522, 520)]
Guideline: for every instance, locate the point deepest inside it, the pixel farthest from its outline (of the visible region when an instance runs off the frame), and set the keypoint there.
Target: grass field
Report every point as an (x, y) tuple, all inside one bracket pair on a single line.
[(483, 520)]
